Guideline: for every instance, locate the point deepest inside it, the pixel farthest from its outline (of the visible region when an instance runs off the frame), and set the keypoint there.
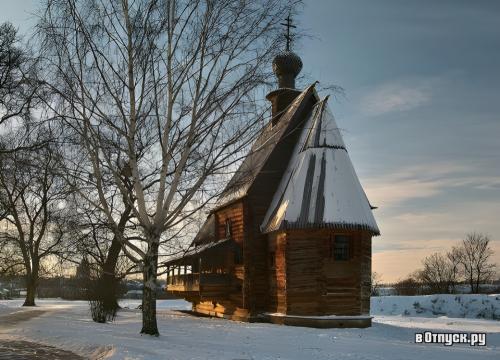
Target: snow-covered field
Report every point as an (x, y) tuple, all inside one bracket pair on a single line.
[(439, 312), (67, 325), (479, 306)]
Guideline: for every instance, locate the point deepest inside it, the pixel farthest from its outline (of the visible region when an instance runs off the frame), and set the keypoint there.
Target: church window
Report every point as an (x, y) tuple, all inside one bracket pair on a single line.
[(341, 249), (272, 259), (229, 229)]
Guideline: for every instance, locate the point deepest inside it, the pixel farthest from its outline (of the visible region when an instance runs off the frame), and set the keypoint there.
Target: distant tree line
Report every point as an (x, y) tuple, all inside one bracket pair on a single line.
[(469, 263)]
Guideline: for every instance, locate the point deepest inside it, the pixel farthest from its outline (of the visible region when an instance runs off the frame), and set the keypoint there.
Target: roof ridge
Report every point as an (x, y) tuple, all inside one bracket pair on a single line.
[(260, 151)]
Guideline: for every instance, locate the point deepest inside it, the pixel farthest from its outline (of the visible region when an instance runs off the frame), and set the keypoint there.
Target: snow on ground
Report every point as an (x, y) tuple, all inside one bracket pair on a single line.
[(442, 323), (160, 304), (4, 309), (472, 306), (67, 325)]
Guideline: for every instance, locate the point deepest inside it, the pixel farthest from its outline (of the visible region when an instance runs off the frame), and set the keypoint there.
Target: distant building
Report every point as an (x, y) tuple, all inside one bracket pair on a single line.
[(290, 238), (133, 294), (4, 294)]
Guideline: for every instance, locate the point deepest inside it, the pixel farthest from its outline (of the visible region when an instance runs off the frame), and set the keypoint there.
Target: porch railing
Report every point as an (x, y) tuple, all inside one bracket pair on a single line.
[(192, 282)]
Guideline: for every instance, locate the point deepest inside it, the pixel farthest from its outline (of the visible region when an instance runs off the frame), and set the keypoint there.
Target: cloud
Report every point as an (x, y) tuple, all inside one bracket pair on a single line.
[(408, 239), (462, 198), (392, 97), (425, 180), (392, 192), (402, 94), (395, 264), (409, 236)]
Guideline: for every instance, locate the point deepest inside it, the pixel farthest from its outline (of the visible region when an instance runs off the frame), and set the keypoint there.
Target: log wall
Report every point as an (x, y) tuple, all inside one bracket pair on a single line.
[(277, 273), (230, 303), (366, 272), (256, 293), (234, 213), (303, 272), (319, 285)]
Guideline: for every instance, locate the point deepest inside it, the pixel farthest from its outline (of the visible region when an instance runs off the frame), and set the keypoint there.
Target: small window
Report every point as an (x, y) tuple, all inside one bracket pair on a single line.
[(341, 249), (272, 259), (228, 231)]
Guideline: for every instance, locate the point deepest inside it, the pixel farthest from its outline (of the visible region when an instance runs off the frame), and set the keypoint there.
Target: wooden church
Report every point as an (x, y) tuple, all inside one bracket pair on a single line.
[(290, 238)]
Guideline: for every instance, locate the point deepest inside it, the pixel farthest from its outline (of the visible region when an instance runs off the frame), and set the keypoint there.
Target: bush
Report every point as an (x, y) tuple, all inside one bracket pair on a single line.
[(102, 302), (409, 287)]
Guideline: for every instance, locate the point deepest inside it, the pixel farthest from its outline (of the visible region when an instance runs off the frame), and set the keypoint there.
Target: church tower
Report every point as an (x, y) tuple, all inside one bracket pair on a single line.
[(286, 66), (320, 225)]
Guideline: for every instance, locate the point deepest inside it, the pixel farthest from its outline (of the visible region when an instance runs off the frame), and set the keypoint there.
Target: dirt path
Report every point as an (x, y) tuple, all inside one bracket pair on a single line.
[(14, 349), (13, 319), (18, 349)]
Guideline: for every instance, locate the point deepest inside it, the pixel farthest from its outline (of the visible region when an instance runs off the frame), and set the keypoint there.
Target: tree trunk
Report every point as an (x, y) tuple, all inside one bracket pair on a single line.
[(478, 282), (31, 285), (108, 279), (149, 325), (471, 283)]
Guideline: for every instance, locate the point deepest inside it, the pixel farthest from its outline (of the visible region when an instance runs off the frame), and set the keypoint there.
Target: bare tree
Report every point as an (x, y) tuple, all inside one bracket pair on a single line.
[(376, 283), (32, 199), (408, 286), (454, 256), (20, 91), (438, 274), (474, 255), (100, 243), (11, 261), (161, 93)]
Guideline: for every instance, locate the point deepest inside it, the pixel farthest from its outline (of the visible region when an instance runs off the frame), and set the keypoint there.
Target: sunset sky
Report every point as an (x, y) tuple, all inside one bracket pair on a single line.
[(420, 115)]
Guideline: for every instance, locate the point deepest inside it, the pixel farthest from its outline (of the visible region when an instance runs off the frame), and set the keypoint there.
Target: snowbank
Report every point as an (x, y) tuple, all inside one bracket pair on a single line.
[(473, 306), (175, 304)]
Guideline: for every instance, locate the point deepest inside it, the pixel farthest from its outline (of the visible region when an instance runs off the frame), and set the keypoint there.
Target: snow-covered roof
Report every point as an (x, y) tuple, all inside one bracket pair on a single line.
[(321, 129), (320, 187)]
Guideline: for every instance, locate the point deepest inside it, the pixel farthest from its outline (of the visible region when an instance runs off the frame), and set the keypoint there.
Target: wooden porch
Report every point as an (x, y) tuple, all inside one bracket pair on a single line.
[(208, 283)]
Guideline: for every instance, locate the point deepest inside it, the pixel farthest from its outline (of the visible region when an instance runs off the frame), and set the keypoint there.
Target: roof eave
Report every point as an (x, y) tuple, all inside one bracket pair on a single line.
[(287, 225), (228, 203)]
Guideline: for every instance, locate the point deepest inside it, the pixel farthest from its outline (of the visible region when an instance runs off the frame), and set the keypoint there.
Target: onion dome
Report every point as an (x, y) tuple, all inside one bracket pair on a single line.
[(286, 67)]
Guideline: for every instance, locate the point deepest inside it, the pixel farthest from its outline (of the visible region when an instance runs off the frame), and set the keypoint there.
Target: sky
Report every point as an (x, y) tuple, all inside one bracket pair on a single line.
[(420, 114)]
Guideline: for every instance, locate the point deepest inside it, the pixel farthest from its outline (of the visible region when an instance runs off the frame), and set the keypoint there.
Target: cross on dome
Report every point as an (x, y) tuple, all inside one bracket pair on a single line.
[(288, 37)]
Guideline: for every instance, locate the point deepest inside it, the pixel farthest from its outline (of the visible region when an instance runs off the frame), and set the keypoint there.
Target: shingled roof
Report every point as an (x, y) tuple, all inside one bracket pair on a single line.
[(207, 232), (320, 187), (266, 142)]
